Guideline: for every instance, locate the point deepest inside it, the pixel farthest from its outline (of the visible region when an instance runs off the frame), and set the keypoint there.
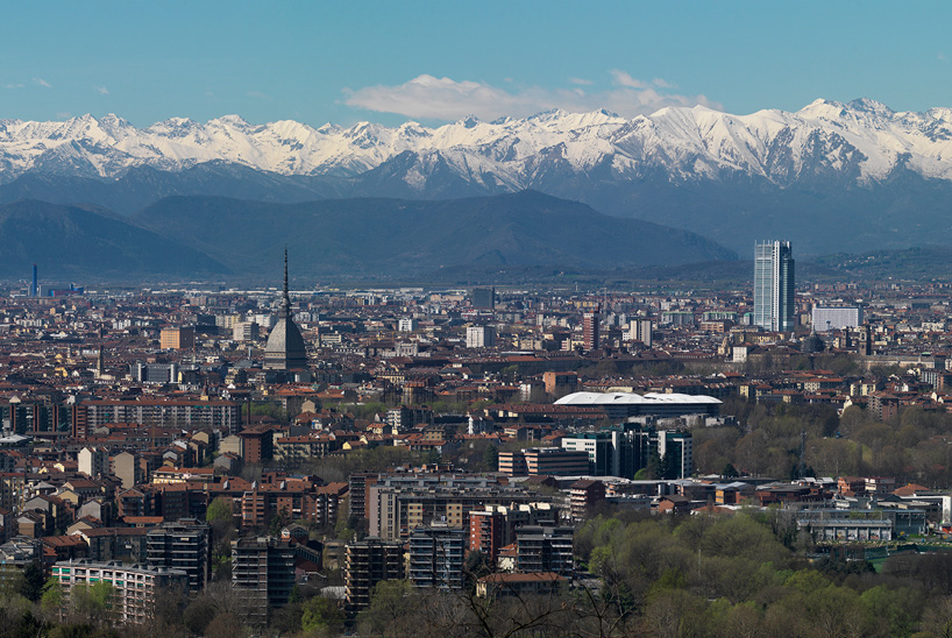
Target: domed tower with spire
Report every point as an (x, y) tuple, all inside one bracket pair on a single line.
[(285, 349)]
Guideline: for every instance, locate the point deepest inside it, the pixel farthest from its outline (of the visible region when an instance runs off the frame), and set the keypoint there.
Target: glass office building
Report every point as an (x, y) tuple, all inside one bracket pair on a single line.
[(774, 285)]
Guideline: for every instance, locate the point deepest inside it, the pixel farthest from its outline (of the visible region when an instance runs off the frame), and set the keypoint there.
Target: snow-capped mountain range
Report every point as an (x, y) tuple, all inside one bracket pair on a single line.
[(863, 138), (693, 168)]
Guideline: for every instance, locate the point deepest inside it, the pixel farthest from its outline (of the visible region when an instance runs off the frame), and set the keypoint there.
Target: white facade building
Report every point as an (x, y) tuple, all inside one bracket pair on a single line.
[(480, 337), (837, 318)]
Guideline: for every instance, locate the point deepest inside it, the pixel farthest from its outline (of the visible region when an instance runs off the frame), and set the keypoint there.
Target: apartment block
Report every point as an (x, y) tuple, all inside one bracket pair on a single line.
[(264, 568), (185, 545), (135, 588), (545, 549), (368, 562), (436, 557)]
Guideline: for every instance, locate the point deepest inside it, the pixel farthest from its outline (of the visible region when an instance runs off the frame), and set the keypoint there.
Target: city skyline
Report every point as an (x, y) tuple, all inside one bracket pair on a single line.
[(159, 428)]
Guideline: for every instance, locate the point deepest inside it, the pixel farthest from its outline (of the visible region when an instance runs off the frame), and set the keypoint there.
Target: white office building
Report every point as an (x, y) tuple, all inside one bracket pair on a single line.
[(838, 318), (480, 337)]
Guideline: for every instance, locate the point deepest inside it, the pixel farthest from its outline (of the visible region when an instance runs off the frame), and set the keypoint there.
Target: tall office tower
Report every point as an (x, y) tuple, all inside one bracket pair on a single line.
[(483, 298), (590, 330), (773, 285)]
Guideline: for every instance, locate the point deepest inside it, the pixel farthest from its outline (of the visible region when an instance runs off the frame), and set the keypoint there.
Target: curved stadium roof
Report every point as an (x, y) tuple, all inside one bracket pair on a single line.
[(628, 398)]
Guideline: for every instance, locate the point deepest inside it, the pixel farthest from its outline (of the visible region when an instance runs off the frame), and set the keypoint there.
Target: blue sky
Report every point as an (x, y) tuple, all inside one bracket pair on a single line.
[(342, 62)]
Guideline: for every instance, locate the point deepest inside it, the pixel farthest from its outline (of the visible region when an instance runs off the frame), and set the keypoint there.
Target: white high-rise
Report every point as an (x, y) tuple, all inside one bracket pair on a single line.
[(480, 337), (774, 302)]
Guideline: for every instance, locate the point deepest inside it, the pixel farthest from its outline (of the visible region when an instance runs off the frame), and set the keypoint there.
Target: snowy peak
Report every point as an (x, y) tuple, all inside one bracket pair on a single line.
[(862, 142)]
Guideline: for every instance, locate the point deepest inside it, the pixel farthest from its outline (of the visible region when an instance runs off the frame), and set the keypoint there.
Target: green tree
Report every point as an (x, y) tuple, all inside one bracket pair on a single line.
[(675, 613), (198, 615), (226, 625), (477, 565), (891, 612), (12, 583), (93, 603), (491, 458), (392, 605), (322, 615), (279, 521), (17, 617), (220, 510), (33, 581), (273, 410), (52, 599), (220, 516), (669, 467), (653, 470), (745, 620)]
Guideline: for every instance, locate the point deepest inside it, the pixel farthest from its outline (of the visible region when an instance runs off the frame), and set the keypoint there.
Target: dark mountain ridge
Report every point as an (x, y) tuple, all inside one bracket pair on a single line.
[(71, 241), (403, 237), (375, 238)]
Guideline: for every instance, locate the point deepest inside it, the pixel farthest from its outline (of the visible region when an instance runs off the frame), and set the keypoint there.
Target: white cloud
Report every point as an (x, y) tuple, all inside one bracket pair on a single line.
[(258, 94), (581, 81), (13, 87), (42, 82), (103, 90), (624, 79), (428, 97)]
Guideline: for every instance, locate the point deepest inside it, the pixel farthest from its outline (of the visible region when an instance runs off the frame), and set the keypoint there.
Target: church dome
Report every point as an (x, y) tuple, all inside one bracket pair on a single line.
[(286, 349)]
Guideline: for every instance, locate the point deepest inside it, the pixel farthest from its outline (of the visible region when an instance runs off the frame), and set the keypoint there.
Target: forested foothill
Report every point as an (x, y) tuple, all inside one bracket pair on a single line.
[(777, 440)]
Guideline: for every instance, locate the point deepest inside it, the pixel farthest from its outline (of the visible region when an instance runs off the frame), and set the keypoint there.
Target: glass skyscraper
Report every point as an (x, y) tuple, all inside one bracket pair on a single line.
[(773, 285)]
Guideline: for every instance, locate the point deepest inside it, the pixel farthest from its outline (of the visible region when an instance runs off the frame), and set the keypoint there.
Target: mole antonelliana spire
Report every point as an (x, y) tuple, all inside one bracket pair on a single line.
[(285, 349), (286, 300)]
